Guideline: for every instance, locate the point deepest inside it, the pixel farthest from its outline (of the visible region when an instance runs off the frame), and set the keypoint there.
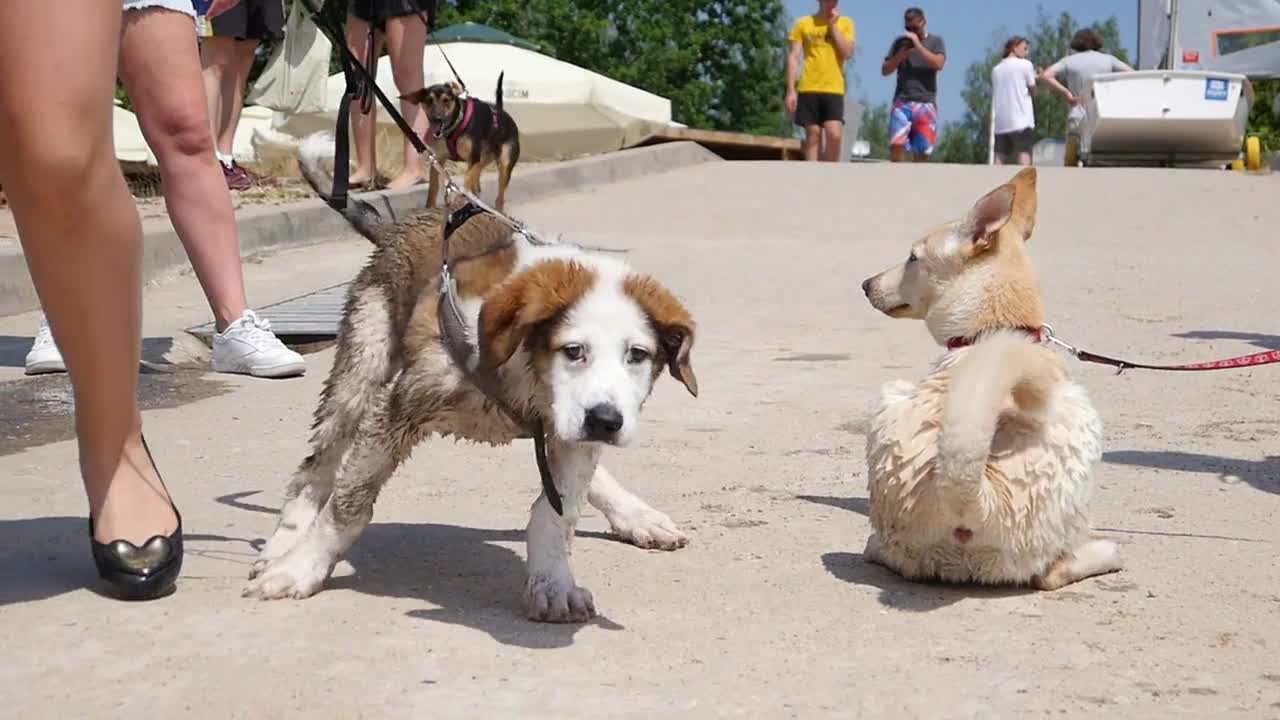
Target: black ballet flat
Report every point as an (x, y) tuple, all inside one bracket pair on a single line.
[(141, 573)]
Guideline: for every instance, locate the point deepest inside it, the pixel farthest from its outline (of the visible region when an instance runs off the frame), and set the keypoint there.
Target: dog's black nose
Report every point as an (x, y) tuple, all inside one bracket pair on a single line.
[(602, 422), (866, 286)]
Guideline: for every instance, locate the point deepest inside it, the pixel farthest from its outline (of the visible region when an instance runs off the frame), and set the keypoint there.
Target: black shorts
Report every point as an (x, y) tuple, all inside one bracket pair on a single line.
[(376, 12), (818, 108), (251, 20), (1015, 143)]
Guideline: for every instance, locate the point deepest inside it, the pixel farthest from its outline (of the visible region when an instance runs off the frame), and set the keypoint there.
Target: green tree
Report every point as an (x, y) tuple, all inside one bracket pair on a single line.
[(1050, 40), (1263, 120), (720, 62), (875, 128)]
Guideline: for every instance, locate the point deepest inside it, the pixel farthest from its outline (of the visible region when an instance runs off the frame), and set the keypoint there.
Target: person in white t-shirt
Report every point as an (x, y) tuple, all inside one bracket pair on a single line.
[(1013, 84)]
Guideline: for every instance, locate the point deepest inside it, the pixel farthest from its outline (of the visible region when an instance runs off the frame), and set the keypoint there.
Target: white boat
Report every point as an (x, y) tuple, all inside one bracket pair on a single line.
[(1165, 117)]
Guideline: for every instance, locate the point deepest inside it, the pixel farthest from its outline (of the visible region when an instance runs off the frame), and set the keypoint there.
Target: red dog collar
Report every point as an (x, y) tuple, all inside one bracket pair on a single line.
[(956, 343)]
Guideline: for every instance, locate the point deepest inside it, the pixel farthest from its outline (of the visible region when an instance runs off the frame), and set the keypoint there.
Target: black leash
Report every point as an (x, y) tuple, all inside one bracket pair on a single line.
[(466, 356), (429, 23)]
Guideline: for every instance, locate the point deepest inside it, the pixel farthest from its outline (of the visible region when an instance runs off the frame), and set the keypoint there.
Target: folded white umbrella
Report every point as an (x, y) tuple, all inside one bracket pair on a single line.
[(131, 146), (562, 110)]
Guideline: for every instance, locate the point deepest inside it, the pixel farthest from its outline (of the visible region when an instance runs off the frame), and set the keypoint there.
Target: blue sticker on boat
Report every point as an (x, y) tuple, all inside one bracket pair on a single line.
[(1216, 88)]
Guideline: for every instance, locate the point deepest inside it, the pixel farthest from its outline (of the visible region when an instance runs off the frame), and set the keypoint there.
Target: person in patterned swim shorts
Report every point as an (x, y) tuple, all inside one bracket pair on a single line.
[(916, 56)]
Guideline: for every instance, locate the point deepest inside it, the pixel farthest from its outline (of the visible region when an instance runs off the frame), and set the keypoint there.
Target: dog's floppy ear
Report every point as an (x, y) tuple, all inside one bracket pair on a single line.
[(456, 88), (533, 296), (674, 325)]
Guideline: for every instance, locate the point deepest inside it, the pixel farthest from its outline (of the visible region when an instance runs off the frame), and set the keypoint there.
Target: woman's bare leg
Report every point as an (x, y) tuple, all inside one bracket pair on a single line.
[(225, 63), (364, 126), (82, 240), (406, 38), (160, 68)]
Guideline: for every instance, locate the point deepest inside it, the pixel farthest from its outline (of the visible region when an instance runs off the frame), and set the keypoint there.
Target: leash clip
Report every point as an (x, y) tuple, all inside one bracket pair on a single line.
[(1046, 333)]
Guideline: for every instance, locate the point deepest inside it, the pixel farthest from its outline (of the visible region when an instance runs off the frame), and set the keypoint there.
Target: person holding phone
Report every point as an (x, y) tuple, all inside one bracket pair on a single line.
[(916, 56), (825, 40)]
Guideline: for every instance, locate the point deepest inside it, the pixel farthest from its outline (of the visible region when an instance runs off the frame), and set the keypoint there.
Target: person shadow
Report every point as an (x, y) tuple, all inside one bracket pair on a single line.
[(42, 558), (466, 573)]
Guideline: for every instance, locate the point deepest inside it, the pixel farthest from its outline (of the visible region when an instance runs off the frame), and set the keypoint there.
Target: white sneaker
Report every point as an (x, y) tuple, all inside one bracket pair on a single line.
[(44, 356), (249, 347)]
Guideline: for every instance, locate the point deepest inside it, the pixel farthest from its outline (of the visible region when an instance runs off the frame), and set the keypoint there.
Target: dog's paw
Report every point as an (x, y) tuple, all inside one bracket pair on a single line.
[(557, 600), (647, 528), (297, 576)]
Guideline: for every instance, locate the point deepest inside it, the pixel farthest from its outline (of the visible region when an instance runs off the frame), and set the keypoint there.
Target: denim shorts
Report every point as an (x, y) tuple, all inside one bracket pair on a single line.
[(181, 6)]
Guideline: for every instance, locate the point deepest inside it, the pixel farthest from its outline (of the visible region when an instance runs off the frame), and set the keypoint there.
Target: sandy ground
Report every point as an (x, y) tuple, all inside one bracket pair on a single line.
[(770, 611)]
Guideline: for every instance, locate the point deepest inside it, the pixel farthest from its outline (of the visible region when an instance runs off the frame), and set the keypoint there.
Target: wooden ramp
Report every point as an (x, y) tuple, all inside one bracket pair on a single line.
[(302, 320), (731, 145)]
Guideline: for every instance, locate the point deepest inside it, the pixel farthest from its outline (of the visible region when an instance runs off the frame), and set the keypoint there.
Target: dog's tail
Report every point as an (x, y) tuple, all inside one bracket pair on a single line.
[(497, 101), (1002, 373), (314, 150)]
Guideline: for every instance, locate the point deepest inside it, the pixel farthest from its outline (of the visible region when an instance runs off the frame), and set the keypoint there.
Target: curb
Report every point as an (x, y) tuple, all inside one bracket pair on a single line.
[(309, 222)]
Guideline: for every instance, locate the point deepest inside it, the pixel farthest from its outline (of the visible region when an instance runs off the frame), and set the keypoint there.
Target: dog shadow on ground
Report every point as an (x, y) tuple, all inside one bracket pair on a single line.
[(1260, 340), (896, 592), (906, 595), (467, 573), (1262, 474), (859, 505)]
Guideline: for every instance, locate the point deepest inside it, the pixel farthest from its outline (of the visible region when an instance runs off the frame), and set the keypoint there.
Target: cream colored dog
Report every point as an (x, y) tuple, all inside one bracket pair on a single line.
[(981, 472)]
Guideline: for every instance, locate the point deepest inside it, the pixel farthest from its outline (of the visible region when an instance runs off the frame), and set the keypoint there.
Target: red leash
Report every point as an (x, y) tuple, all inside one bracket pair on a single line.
[(1262, 358)]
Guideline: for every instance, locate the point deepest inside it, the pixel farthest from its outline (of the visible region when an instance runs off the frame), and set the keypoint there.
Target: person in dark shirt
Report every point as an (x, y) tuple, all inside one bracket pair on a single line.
[(917, 56)]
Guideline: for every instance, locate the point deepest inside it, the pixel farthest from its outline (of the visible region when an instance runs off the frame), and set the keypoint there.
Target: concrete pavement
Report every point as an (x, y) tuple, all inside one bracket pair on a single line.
[(770, 611)]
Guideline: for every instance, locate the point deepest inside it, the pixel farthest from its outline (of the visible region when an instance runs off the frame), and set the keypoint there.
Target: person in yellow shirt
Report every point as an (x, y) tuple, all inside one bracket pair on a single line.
[(825, 39)]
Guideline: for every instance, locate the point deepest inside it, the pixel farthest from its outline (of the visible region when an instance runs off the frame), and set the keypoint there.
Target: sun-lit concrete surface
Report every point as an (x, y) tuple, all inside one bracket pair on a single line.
[(770, 611)]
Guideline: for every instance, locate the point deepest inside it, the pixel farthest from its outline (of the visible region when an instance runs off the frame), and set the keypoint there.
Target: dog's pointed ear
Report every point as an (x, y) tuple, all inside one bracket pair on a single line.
[(1013, 204), (987, 217), (533, 296), (418, 96), (1024, 201), (672, 322)]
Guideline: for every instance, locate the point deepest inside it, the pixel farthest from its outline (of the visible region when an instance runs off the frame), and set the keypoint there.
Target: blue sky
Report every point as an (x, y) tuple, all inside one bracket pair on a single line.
[(966, 25)]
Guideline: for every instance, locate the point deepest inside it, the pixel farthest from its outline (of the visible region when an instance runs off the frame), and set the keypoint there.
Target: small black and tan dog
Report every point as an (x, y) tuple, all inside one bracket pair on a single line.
[(472, 131)]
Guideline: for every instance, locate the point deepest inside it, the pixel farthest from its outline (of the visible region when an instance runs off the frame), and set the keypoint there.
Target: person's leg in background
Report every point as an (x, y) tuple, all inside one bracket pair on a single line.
[(406, 37), (924, 130), (1026, 143), (1001, 148), (832, 127), (807, 118), (160, 68), (82, 241), (226, 59), (899, 129), (363, 125)]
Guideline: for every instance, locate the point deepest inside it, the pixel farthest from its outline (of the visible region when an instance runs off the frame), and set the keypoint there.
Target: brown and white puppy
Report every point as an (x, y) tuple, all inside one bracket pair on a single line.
[(468, 130), (981, 471), (573, 338)]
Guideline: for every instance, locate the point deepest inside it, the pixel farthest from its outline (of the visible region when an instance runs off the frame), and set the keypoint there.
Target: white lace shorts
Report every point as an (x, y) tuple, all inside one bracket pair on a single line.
[(181, 6)]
